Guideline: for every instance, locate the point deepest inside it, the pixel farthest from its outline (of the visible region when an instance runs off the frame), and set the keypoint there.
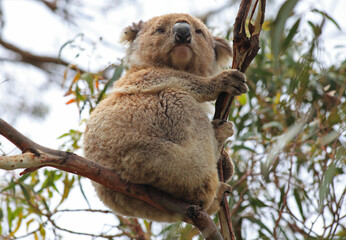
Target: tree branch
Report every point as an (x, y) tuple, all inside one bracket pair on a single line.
[(244, 51), (30, 58), (36, 156)]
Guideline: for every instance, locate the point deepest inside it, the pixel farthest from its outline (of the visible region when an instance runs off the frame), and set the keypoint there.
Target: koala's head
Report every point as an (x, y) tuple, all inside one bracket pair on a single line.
[(177, 41)]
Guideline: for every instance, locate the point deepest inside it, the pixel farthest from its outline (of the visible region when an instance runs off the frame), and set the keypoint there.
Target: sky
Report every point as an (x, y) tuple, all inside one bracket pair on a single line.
[(30, 26)]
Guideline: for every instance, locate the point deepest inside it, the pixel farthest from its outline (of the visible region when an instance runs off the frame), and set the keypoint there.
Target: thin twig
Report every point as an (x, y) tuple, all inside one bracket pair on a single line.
[(284, 203)]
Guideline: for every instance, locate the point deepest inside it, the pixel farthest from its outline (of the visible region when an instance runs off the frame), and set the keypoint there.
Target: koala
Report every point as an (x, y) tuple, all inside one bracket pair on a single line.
[(151, 129)]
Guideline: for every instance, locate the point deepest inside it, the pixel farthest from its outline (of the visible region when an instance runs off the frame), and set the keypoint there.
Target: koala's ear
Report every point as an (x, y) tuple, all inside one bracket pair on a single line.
[(130, 33), (223, 51)]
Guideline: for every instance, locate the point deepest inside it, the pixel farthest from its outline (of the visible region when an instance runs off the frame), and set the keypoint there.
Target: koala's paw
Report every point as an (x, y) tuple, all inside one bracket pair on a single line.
[(223, 189), (233, 82), (222, 129), (227, 166)]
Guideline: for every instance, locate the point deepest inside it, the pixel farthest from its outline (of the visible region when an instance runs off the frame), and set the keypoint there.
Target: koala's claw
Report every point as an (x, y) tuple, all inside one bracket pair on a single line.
[(218, 122), (233, 82), (224, 189)]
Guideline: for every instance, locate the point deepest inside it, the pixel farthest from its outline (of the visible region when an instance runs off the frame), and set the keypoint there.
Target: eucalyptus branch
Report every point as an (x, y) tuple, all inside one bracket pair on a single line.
[(244, 51), (30, 58), (36, 156)]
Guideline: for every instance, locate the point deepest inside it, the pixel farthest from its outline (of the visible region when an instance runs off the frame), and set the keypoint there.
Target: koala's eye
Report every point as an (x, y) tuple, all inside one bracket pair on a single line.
[(199, 31), (160, 30)]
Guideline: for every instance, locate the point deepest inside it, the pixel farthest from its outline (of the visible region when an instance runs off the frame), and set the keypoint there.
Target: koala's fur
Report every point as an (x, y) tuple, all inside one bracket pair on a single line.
[(152, 129)]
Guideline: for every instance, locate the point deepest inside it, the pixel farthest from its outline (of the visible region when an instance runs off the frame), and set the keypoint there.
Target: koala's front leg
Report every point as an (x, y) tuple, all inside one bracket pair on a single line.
[(154, 80), (231, 81)]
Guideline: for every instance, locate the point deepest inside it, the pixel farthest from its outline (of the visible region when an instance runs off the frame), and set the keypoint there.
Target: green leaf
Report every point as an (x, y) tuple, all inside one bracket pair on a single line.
[(316, 29), (257, 202), (68, 184), (260, 223), (239, 147), (25, 192), (82, 191), (79, 96), (42, 231), (246, 136), (64, 135), (327, 180), (28, 224), (1, 219), (79, 35), (116, 75), (278, 27), (282, 195), (147, 225), (283, 231), (51, 177), (329, 137), (19, 222), (22, 178), (340, 154), (290, 35), (264, 171), (283, 140), (273, 124), (44, 202), (12, 186), (334, 117), (341, 233), (299, 202), (328, 17), (89, 79)]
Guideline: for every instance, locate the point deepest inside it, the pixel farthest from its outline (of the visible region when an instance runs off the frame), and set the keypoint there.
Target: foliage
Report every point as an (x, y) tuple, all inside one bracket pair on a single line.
[(29, 199), (289, 147), (88, 89)]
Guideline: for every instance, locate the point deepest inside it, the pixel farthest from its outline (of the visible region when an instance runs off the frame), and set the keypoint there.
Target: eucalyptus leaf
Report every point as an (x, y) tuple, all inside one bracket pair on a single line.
[(278, 27), (327, 180), (291, 34)]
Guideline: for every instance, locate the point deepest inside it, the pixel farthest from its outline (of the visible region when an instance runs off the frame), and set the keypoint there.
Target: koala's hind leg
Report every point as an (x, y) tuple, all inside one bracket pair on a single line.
[(223, 130), (227, 166), (222, 190)]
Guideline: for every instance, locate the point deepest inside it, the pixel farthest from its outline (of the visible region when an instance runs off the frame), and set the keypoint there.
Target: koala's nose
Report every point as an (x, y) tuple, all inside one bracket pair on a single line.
[(182, 32)]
